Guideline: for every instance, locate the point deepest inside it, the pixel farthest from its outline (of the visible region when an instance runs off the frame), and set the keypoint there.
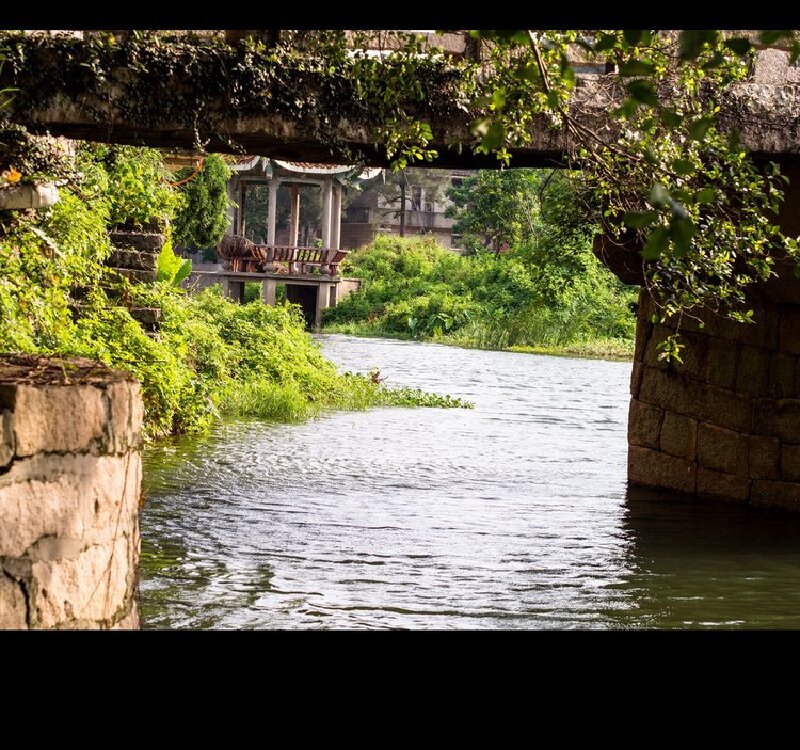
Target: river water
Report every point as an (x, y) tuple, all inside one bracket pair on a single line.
[(513, 515)]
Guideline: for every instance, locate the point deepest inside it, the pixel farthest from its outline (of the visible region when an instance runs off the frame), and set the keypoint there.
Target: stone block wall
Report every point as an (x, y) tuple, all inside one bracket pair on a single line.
[(135, 256), (726, 423), (70, 474), (135, 253)]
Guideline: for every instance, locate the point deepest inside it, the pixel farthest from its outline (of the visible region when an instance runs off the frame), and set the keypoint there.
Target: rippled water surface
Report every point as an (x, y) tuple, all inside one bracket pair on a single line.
[(511, 515)]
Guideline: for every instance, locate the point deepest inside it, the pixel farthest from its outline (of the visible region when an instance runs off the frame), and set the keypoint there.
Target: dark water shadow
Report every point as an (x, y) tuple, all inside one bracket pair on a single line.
[(704, 564)]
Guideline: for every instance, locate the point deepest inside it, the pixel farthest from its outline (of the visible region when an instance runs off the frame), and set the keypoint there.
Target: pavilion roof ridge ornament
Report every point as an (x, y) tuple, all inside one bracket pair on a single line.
[(346, 172), (305, 167)]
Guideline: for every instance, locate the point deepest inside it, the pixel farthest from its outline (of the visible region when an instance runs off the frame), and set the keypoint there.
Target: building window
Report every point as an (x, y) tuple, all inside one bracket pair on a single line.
[(357, 215)]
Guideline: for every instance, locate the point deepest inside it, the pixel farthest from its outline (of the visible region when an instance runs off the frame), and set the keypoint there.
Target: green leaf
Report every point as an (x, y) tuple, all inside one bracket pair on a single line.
[(670, 348), (681, 231), (605, 43), (642, 91), (650, 156), (647, 124), (499, 98), (627, 109), (656, 244), (670, 117), (633, 36), (682, 167), (659, 196), (168, 264), (495, 135), (637, 68), (639, 219), (739, 45), (183, 272), (527, 73), (706, 195), (699, 128), (568, 77), (693, 40), (770, 36), (552, 100)]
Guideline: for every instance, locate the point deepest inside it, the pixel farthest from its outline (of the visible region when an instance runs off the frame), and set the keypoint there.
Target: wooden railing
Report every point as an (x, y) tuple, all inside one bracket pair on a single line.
[(242, 255)]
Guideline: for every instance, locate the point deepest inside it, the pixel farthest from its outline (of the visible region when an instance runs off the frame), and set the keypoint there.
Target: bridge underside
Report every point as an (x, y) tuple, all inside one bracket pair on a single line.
[(767, 136), (278, 137), (60, 88)]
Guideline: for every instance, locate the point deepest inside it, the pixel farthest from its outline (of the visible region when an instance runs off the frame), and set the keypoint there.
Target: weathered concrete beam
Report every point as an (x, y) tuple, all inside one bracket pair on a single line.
[(254, 113), (275, 135)]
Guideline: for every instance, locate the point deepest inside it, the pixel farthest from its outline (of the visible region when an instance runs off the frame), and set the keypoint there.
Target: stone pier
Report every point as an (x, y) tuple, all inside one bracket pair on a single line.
[(724, 424), (70, 473)]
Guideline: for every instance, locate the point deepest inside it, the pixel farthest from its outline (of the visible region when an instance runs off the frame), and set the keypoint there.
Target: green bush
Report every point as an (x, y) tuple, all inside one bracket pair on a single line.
[(202, 218), (209, 357), (530, 297), (136, 184)]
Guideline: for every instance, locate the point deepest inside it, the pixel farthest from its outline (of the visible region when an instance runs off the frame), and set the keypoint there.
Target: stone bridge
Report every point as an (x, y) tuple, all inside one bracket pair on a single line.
[(725, 424), (61, 91)]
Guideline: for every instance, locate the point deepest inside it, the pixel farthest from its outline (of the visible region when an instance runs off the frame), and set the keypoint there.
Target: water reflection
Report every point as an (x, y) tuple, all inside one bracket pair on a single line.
[(708, 565)]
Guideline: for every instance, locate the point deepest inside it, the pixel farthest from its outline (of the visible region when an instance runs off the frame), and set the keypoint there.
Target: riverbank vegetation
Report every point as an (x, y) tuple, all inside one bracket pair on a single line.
[(656, 134), (208, 357), (527, 281)]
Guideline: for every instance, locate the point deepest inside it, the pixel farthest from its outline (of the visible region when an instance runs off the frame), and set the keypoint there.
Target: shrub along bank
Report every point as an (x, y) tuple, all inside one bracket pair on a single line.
[(414, 288), (210, 356)]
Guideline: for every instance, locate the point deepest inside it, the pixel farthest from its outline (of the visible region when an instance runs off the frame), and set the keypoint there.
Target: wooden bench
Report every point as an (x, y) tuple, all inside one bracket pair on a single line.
[(302, 259), (335, 257), (241, 254)]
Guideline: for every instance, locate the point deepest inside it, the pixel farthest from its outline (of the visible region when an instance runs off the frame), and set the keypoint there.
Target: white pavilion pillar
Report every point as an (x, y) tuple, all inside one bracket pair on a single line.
[(242, 199), (272, 210), (234, 209), (336, 218), (327, 200), (294, 216)]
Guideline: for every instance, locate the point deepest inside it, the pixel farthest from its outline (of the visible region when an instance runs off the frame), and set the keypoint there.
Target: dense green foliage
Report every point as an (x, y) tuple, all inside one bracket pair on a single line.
[(132, 182), (687, 201), (682, 195), (546, 291), (202, 218), (415, 288), (209, 357), (493, 208)]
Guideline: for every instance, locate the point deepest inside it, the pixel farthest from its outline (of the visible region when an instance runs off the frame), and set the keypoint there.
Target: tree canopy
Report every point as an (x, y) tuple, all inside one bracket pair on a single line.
[(672, 185), (201, 219)]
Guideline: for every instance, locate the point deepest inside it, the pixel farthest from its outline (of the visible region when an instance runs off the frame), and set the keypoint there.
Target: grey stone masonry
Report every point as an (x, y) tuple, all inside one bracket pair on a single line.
[(136, 252), (70, 475), (726, 422)]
